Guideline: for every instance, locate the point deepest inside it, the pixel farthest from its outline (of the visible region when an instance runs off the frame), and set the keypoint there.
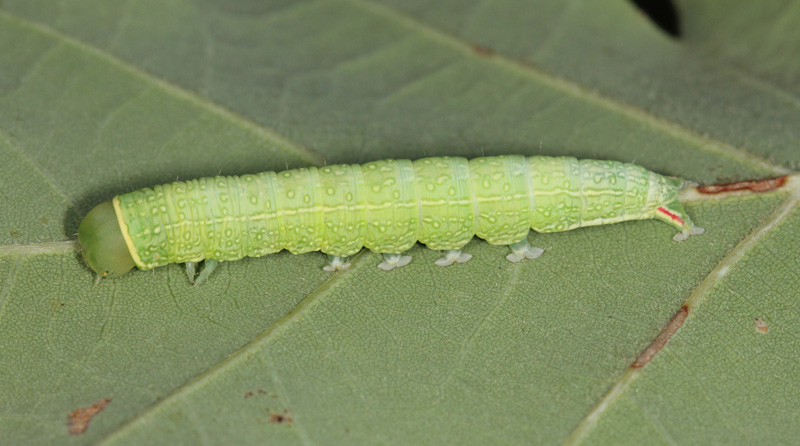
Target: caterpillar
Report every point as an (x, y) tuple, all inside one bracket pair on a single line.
[(386, 206)]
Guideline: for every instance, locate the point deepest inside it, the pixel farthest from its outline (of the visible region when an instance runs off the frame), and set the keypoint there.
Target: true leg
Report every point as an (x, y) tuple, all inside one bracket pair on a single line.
[(208, 267), (191, 267)]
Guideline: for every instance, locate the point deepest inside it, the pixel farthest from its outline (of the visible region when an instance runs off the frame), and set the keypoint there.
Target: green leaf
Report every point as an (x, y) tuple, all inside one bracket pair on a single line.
[(98, 98)]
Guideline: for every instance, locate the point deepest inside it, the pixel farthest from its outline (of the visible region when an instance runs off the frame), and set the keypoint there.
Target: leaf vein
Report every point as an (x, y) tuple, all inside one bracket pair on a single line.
[(239, 355), (695, 299), (192, 97)]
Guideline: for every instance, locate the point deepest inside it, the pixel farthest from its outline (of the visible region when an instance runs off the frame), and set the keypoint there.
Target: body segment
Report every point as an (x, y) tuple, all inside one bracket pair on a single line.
[(387, 206)]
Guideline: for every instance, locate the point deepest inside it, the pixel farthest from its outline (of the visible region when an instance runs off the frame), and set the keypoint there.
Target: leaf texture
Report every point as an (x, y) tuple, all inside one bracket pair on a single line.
[(99, 98)]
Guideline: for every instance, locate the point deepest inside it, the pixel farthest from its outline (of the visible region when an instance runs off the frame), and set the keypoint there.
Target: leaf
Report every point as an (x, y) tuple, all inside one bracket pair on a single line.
[(99, 98)]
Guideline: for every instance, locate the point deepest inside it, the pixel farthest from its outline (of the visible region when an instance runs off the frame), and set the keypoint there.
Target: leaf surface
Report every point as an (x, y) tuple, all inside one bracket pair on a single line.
[(98, 98)]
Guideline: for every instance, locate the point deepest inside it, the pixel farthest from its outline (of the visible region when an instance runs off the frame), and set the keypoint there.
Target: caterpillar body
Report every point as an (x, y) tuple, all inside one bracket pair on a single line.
[(386, 206)]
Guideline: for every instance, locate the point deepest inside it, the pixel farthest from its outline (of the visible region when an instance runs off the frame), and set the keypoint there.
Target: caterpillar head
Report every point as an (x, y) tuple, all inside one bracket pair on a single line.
[(103, 247)]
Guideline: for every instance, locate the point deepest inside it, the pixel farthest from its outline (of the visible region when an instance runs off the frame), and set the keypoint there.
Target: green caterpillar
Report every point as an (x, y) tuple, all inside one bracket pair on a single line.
[(386, 206)]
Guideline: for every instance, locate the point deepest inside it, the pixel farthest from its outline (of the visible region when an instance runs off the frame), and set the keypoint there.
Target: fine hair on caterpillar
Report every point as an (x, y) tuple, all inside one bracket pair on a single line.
[(385, 206)]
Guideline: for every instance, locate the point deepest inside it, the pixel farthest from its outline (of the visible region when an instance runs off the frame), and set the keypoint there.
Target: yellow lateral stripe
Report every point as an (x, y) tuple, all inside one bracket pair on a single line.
[(124, 229)]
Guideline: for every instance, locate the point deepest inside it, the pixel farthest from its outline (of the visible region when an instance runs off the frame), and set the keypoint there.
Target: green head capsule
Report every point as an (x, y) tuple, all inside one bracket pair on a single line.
[(103, 246)]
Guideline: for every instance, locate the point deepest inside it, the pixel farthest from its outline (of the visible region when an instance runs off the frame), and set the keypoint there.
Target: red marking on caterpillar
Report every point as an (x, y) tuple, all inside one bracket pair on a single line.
[(675, 217)]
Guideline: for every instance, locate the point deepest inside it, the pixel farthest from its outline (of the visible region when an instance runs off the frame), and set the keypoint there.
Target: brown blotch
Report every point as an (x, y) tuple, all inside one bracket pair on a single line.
[(661, 340), (79, 418), (248, 395), (261, 391), (752, 185), (280, 418), (482, 51), (761, 326)]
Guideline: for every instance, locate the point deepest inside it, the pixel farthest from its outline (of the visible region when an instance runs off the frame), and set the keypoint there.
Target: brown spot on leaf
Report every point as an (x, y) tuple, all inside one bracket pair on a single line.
[(79, 418), (482, 51), (259, 391), (752, 185), (280, 418), (661, 340), (761, 326)]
